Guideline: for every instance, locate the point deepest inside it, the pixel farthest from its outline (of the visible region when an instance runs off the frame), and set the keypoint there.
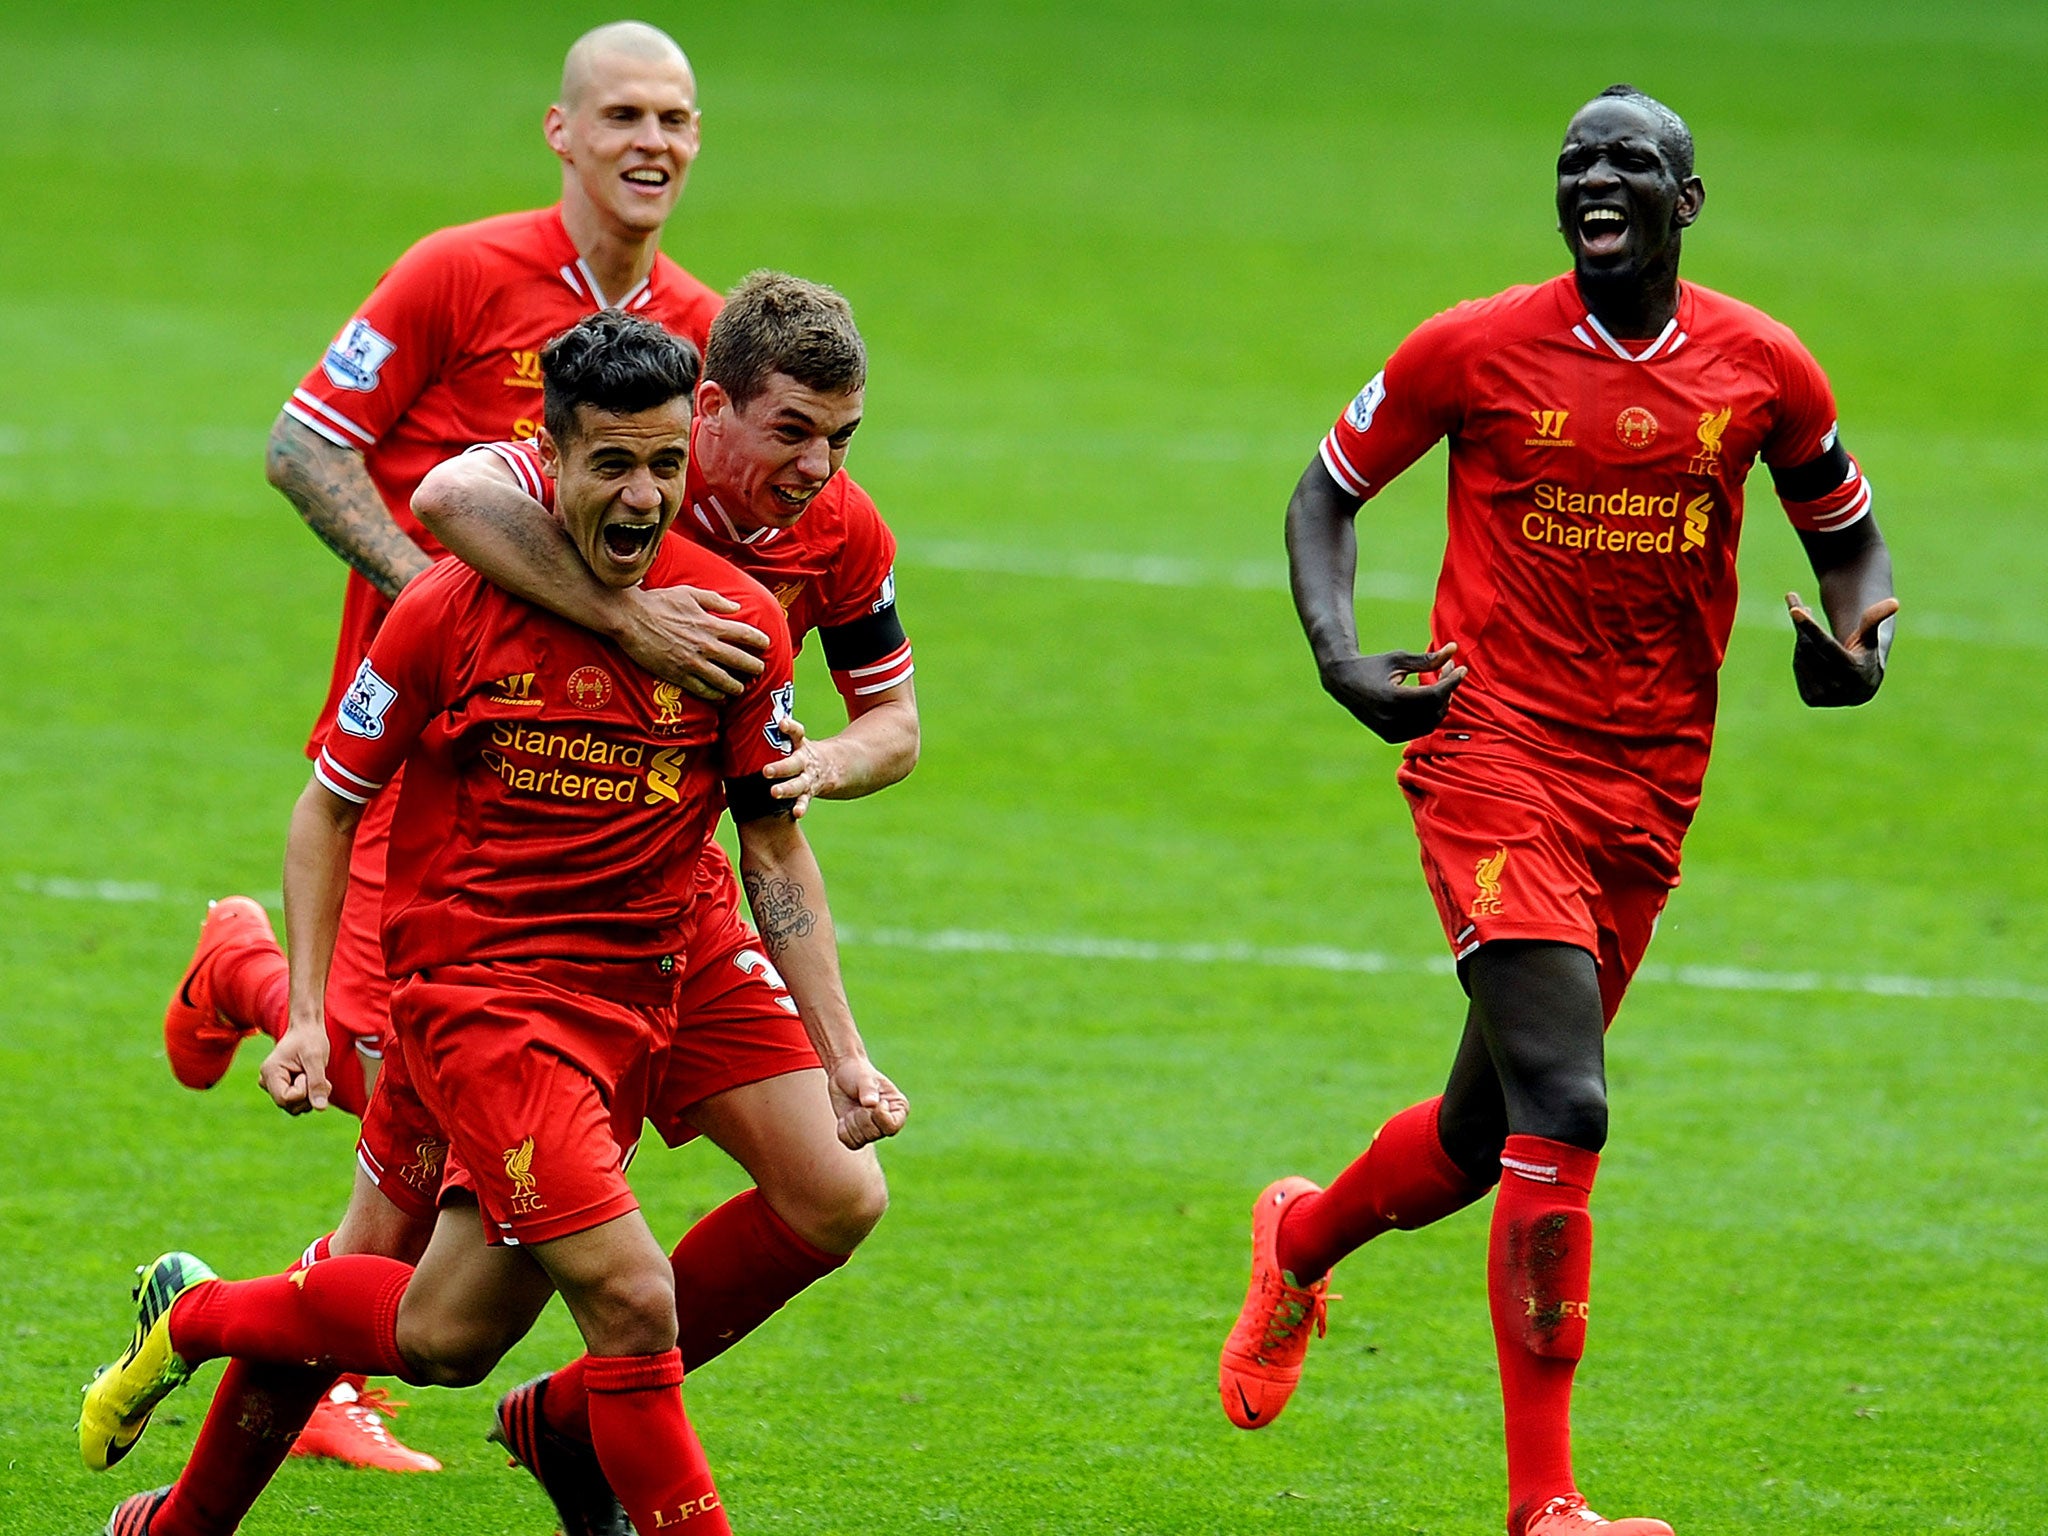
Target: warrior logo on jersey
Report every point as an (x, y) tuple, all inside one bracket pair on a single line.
[(1486, 875), (1712, 424), (358, 352), (519, 1169), (590, 687), (785, 709), (1636, 427), (1549, 430), (516, 690), (1360, 411), (668, 706), (364, 706), (525, 371)]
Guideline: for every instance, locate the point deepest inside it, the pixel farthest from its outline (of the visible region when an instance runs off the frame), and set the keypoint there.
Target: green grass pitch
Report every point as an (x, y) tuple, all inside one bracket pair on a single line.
[(1119, 264)]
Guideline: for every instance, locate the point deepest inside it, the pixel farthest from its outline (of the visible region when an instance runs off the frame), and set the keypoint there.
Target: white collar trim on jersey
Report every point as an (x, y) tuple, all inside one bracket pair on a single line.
[(583, 283), (725, 527), (1671, 334)]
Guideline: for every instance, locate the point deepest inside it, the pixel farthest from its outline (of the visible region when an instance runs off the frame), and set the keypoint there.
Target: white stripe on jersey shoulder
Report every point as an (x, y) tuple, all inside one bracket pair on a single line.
[(509, 455), (1670, 329), (354, 778), (1340, 467), (328, 413), (726, 528), (335, 786), (314, 424)]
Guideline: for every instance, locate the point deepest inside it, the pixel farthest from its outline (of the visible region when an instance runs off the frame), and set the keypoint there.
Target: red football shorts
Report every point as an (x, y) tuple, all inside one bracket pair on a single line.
[(1516, 850), (401, 1146), (539, 1072), (735, 1020), (358, 991)]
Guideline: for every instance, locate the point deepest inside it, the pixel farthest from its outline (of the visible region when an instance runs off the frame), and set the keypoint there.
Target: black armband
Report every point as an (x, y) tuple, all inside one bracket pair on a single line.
[(1815, 478), (866, 640), (749, 800)]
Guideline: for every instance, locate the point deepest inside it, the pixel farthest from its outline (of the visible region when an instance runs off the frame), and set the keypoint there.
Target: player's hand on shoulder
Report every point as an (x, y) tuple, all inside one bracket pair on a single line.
[(868, 1105), (1831, 673), (809, 769), (1377, 691), (683, 636), (294, 1074)]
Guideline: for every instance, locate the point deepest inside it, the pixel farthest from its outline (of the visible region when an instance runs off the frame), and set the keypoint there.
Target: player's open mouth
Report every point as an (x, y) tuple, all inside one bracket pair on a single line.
[(627, 542), (649, 178), (1602, 231), (794, 498)]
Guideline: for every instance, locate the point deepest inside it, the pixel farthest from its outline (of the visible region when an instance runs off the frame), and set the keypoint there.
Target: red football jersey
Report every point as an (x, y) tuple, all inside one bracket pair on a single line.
[(556, 798), (833, 572), (445, 353), (1595, 503)]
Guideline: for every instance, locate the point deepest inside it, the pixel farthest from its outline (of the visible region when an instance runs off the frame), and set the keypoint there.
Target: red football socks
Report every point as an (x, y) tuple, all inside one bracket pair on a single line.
[(338, 1315), (649, 1453), (1403, 1180), (1538, 1276), (734, 1270), (257, 1412), (251, 986)]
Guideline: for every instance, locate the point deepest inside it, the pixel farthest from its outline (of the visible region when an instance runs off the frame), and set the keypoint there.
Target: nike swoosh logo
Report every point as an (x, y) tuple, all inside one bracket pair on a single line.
[(1251, 1414)]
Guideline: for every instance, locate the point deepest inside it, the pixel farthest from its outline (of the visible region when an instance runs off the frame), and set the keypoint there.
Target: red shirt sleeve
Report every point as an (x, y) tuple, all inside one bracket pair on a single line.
[(1823, 490), (390, 350), (749, 738), (399, 687), (527, 466), (1401, 413), (861, 632)]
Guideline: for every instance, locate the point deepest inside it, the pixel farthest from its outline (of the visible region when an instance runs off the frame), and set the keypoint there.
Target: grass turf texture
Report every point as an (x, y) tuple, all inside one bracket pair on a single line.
[(1119, 265)]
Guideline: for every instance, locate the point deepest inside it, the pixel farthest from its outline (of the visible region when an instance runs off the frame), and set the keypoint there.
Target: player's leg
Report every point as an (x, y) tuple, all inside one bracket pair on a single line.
[(812, 1203), (616, 1282), (1541, 1008), (234, 986)]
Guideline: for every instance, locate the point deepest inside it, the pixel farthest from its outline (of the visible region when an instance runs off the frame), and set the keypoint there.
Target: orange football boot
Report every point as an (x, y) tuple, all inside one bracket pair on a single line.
[(1567, 1515), (1262, 1357), (349, 1425), (198, 1037)]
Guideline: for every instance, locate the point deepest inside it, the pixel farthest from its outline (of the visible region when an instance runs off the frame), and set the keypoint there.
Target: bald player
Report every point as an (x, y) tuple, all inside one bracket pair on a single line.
[(445, 353)]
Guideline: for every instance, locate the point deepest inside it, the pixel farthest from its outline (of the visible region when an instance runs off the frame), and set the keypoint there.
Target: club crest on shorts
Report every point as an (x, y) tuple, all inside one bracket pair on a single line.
[(367, 702), (1486, 875), (423, 1173), (357, 354), (519, 1169)]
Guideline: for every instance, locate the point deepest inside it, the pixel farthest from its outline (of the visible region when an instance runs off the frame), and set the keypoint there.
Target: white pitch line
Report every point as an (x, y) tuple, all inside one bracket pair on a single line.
[(1384, 586), (1299, 957), (1373, 963)]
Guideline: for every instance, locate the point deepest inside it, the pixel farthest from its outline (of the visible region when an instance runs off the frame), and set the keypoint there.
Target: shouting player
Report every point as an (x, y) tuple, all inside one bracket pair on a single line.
[(784, 379), (556, 803), (1601, 426), (444, 354)]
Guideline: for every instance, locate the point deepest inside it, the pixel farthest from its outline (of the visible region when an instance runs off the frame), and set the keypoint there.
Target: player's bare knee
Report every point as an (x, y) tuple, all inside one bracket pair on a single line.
[(445, 1349), (629, 1312), (838, 1212)]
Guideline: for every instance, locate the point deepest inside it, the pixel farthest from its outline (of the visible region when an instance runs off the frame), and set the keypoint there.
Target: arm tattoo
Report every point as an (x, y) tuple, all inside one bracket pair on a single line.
[(334, 494), (779, 910)]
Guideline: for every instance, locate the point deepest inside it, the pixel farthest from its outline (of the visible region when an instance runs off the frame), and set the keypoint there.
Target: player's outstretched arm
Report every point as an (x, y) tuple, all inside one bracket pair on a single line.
[(332, 489), (786, 893), (1855, 572), (1322, 564), (473, 505), (315, 880), (878, 748)]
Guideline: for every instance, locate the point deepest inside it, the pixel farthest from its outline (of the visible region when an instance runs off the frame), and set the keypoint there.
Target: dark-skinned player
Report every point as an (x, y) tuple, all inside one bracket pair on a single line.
[(1600, 426)]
